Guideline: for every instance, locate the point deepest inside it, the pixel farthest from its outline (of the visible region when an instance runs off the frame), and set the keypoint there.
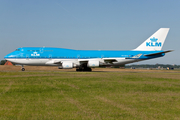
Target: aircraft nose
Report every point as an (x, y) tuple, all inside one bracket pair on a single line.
[(6, 57)]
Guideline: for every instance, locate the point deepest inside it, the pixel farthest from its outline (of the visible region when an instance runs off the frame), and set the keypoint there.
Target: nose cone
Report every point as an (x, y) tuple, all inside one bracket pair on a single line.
[(7, 56), (10, 55)]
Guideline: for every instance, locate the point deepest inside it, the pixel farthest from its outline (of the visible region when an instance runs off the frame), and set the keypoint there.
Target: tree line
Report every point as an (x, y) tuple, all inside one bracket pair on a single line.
[(152, 66), (3, 62)]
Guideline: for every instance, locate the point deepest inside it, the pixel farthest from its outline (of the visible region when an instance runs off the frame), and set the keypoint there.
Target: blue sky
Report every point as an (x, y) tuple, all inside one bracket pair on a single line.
[(89, 24)]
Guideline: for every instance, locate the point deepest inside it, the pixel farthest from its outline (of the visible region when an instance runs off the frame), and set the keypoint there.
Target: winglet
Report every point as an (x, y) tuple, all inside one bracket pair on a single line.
[(155, 42)]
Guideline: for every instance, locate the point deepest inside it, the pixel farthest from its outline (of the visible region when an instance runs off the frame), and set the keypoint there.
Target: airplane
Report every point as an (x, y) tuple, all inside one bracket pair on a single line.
[(84, 60)]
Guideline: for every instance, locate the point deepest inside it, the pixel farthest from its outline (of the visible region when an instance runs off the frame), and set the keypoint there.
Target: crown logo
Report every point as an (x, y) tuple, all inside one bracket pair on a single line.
[(153, 39)]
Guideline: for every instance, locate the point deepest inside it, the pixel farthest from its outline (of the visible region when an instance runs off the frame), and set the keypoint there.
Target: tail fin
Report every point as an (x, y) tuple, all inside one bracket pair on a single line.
[(155, 42)]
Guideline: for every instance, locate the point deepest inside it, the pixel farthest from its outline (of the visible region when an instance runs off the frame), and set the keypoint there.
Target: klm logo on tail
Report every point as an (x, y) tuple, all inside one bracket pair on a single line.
[(153, 43)]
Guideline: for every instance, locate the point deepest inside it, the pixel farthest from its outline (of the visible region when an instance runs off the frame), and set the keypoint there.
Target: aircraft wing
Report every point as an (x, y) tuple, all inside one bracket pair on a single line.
[(109, 60), (83, 61), (158, 53)]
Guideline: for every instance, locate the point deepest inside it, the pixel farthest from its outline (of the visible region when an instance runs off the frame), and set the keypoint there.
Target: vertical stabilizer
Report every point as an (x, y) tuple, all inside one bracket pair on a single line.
[(155, 42)]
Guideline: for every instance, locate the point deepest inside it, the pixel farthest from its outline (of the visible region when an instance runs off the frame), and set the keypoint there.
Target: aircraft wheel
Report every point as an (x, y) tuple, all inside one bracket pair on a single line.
[(90, 69), (87, 69), (23, 69), (79, 70)]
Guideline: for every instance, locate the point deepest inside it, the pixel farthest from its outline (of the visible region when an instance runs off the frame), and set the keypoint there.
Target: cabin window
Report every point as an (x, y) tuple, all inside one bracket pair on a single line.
[(33, 50), (48, 50)]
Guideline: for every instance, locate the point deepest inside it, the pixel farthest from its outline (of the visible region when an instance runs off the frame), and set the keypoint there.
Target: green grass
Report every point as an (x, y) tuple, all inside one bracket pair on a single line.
[(89, 95)]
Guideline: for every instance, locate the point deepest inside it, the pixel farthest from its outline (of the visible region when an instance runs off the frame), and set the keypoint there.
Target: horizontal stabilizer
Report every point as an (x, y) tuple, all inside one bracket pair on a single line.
[(158, 53)]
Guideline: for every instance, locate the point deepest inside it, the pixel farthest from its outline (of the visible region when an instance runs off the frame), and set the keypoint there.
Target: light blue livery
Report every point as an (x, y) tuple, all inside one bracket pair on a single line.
[(83, 60)]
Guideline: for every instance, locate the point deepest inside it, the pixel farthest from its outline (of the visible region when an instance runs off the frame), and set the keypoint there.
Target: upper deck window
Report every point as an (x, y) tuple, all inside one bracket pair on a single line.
[(17, 50)]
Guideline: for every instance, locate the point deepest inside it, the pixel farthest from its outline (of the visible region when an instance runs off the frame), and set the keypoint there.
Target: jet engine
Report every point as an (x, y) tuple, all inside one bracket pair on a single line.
[(93, 63), (67, 65)]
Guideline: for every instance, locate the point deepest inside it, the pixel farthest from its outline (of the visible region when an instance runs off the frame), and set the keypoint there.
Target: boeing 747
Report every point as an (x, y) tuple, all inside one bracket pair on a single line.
[(84, 60)]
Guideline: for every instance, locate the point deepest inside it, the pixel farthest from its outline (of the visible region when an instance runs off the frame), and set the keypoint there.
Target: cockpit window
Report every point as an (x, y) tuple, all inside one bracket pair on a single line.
[(17, 50)]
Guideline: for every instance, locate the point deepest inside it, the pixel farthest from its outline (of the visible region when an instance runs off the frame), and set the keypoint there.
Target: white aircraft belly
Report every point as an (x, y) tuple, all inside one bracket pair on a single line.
[(38, 62), (28, 61), (49, 62)]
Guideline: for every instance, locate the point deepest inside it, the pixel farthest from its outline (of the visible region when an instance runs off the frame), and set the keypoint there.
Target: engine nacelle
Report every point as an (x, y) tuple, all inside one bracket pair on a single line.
[(93, 63), (67, 65)]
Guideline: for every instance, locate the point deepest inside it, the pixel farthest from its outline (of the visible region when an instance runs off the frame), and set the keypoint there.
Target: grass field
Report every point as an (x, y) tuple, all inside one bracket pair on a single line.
[(103, 94)]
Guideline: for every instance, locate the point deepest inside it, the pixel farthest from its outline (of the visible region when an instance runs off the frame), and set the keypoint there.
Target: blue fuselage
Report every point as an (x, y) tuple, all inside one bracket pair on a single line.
[(61, 53)]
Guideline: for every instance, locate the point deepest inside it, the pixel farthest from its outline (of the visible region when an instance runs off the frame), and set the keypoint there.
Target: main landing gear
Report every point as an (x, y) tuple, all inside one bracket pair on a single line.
[(22, 69), (81, 69)]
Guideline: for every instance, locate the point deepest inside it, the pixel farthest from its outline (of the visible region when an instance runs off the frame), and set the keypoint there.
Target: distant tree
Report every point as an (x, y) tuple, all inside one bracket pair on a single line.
[(152, 66), (3, 62)]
